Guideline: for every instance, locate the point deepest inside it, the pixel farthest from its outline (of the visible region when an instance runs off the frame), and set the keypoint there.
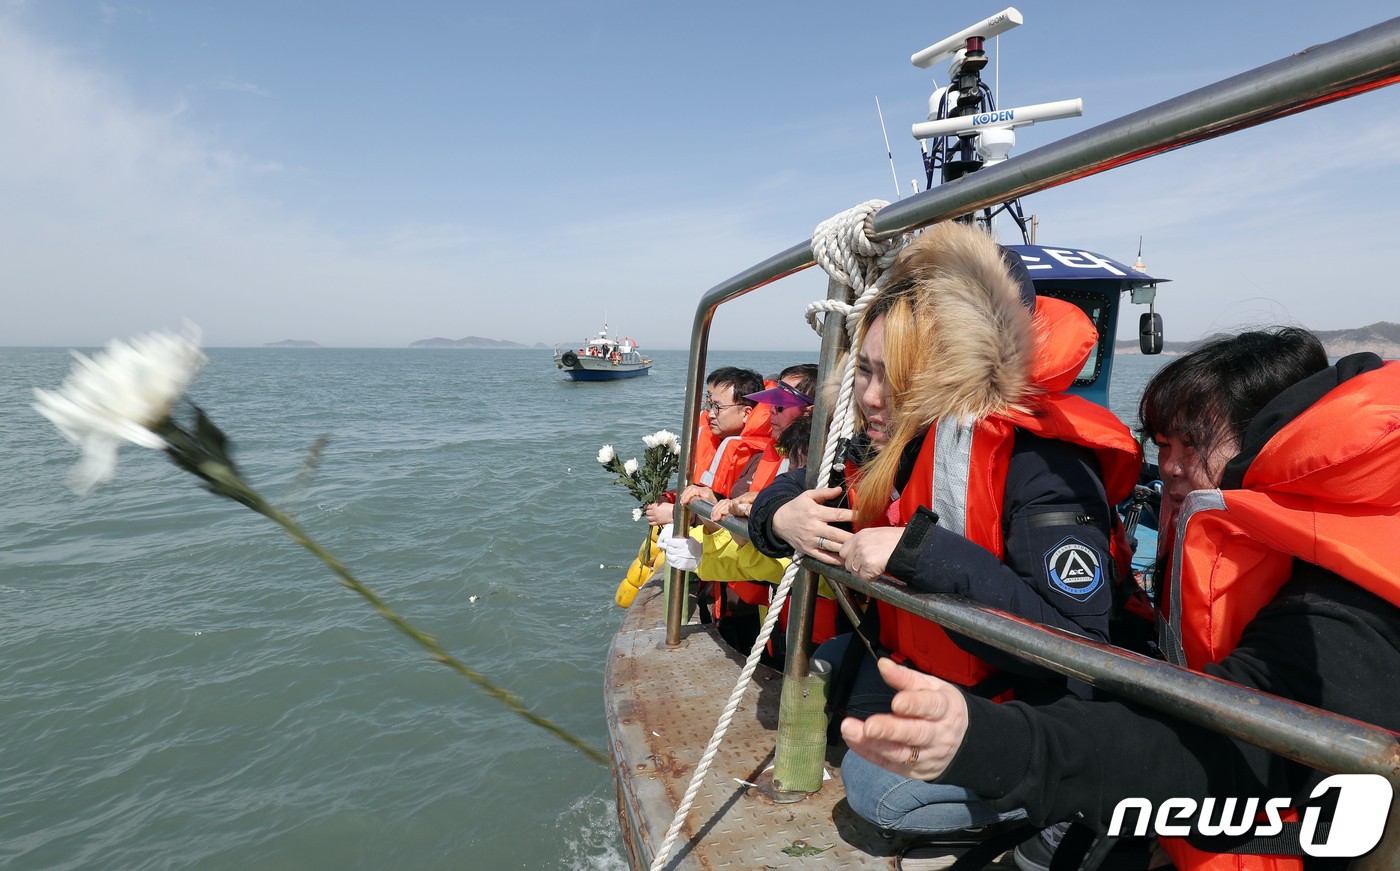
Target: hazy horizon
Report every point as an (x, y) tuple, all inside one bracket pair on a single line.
[(382, 174)]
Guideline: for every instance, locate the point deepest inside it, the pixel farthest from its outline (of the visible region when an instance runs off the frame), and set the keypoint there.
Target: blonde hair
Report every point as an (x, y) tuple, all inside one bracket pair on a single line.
[(958, 345)]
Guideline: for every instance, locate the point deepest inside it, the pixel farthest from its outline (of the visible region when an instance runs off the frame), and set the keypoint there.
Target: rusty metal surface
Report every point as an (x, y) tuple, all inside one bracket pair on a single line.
[(662, 705)]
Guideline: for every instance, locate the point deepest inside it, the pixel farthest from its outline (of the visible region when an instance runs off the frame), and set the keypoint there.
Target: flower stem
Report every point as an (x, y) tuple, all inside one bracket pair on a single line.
[(227, 478)]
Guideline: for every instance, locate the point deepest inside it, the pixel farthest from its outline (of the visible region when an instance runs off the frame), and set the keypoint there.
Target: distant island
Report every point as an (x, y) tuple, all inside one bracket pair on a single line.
[(1381, 338), (473, 342), (292, 343)]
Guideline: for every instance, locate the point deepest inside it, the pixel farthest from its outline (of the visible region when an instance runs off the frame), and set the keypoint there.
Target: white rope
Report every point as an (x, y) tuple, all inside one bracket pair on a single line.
[(702, 768), (841, 247)]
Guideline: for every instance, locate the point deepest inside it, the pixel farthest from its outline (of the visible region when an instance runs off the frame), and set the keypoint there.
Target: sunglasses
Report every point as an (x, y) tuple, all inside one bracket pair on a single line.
[(802, 398)]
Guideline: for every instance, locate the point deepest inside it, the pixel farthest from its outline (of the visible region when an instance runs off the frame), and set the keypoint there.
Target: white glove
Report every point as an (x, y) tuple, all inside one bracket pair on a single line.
[(682, 553)]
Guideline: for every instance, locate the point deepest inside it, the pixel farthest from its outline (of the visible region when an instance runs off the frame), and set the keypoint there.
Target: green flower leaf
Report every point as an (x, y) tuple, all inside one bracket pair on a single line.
[(802, 848)]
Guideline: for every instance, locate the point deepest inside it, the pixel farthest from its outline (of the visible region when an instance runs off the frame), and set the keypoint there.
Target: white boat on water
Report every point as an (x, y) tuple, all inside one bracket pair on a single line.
[(602, 358), (668, 677)]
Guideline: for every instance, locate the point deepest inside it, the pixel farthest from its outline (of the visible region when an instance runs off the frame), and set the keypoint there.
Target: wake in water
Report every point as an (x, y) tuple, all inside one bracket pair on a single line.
[(591, 838)]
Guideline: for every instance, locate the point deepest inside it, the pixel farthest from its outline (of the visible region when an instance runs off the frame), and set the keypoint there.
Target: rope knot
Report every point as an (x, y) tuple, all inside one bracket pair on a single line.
[(842, 245)]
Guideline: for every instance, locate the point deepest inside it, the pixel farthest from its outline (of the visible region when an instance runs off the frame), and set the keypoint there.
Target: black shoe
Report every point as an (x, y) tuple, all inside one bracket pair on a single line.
[(1038, 852), (975, 847)]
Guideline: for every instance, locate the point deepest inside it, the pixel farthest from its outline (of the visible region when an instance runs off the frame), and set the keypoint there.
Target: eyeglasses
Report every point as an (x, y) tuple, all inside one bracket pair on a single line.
[(714, 407)]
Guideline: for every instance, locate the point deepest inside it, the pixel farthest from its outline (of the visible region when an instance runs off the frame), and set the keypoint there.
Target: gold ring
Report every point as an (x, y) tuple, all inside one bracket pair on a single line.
[(913, 756)]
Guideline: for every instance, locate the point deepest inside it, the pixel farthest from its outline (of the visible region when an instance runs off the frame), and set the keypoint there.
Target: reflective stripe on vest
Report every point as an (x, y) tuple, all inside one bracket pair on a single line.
[(952, 464), (1169, 626), (1171, 639), (702, 448), (707, 477), (947, 459)]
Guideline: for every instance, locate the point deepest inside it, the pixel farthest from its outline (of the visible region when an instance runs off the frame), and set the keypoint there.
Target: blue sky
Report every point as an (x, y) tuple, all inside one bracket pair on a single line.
[(360, 173)]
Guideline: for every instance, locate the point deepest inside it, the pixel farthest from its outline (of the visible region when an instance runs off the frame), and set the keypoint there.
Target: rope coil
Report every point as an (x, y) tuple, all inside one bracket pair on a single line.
[(842, 246)]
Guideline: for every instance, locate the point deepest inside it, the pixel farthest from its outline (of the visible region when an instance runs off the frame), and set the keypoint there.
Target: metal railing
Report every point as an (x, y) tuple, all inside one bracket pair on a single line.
[(1308, 735), (1352, 65)]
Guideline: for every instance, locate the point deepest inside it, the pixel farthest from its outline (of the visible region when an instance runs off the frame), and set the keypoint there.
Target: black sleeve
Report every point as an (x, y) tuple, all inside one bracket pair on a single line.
[(1322, 641), (1056, 565), (783, 490)]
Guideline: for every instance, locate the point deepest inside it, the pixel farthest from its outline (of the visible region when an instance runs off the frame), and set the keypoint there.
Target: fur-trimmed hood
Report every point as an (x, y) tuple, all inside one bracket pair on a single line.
[(983, 352)]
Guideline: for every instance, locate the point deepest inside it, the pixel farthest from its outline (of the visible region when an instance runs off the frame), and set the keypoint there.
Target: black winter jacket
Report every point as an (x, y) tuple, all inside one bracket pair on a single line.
[(1054, 496)]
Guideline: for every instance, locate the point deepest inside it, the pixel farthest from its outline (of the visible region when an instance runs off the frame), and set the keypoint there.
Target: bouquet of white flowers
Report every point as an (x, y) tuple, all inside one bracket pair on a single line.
[(647, 480)]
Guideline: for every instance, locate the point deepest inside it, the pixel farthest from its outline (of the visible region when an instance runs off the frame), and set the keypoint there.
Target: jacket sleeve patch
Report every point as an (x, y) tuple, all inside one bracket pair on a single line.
[(1074, 569)]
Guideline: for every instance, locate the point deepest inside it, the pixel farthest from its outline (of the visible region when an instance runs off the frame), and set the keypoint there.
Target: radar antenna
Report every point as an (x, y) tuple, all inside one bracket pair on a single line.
[(965, 132), (888, 151)]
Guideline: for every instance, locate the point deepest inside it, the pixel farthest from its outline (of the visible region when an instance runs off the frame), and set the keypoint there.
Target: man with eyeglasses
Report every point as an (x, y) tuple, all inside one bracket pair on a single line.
[(734, 438), (741, 429), (728, 444)]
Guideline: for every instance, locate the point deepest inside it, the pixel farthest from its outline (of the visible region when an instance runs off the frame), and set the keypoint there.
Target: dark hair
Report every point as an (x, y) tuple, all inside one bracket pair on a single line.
[(793, 442), (1215, 390), (742, 381), (1016, 265), (805, 374)]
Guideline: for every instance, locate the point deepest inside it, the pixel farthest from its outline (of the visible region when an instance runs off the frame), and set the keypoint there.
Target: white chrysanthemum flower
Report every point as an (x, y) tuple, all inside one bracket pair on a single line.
[(650, 440), (120, 395), (636, 514), (669, 439), (606, 455), (631, 467)]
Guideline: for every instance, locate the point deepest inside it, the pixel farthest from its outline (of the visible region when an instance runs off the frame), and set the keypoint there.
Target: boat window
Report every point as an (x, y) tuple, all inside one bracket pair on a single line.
[(1096, 307)]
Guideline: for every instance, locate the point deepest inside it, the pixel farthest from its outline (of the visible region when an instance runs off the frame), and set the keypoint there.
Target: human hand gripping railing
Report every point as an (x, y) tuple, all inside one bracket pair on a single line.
[(1360, 62), (1304, 734)]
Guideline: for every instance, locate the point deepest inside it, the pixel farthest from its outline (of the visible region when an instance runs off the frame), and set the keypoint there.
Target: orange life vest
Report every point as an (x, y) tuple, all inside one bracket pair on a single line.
[(827, 612), (826, 616), (730, 458), (702, 448), (770, 465), (1324, 490), (960, 473)]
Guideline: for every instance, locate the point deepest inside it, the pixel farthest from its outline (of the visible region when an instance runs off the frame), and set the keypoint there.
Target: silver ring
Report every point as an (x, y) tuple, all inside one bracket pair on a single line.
[(821, 543)]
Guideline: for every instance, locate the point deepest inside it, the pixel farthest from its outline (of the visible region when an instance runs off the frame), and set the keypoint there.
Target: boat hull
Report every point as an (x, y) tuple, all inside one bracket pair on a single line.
[(581, 367), (612, 373)]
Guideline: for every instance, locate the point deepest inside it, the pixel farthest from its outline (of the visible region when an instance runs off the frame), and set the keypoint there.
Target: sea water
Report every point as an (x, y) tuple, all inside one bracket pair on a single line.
[(181, 686)]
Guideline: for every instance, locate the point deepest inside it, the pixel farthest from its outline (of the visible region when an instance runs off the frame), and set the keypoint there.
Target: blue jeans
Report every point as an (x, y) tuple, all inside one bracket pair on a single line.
[(890, 800)]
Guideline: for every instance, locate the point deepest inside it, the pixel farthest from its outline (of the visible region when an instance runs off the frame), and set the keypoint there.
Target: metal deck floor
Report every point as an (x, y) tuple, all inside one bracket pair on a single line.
[(662, 705)]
